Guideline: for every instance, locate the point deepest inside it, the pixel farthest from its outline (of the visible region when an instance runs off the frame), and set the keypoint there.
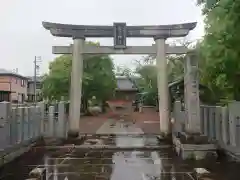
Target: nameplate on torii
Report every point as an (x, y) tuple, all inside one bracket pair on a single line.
[(120, 35)]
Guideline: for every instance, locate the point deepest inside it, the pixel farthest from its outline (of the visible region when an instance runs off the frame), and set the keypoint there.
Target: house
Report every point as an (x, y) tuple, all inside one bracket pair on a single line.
[(30, 88), (126, 88), (13, 86)]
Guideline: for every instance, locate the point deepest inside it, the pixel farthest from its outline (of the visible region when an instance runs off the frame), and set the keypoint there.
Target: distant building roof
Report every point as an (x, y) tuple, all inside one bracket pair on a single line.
[(38, 78), (180, 81), (176, 82), (125, 83), (4, 72), (126, 77)]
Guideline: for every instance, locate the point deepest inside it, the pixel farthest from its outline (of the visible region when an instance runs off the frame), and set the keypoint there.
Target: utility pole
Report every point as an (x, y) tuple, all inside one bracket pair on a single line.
[(37, 59)]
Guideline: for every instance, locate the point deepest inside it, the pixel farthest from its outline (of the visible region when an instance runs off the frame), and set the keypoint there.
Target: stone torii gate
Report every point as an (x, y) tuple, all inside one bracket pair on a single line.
[(120, 32)]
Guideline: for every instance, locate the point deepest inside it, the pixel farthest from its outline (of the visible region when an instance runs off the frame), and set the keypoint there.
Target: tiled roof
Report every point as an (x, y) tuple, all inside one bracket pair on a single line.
[(181, 81), (7, 72), (176, 82), (4, 71)]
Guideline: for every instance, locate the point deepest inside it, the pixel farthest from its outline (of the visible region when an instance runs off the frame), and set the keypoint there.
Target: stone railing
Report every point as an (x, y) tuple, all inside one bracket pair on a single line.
[(27, 123), (219, 124)]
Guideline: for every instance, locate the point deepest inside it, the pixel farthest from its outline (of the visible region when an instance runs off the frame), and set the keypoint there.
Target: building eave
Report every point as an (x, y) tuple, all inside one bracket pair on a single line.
[(15, 75)]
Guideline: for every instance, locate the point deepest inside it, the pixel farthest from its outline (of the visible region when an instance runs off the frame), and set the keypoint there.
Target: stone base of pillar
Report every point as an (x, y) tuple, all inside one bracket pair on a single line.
[(201, 174), (194, 146), (232, 153), (192, 138), (163, 137), (73, 134)]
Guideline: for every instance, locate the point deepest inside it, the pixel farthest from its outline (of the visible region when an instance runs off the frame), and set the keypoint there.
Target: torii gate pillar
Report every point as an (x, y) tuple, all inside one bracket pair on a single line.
[(162, 84), (76, 87)]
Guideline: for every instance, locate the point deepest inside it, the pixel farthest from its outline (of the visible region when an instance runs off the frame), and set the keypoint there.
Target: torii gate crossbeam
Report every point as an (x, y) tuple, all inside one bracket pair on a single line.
[(90, 49)]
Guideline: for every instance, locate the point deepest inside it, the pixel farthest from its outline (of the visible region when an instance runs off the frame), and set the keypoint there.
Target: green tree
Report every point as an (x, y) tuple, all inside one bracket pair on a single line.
[(148, 82), (98, 78), (148, 73), (208, 4), (220, 48)]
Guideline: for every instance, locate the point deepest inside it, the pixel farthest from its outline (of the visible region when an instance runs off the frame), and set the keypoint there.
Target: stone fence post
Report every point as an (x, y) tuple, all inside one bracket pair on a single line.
[(212, 122), (5, 114), (62, 125), (234, 123), (32, 118), (205, 119), (20, 124), (26, 123), (177, 124), (13, 127), (218, 123), (225, 125), (51, 123), (42, 116), (38, 119)]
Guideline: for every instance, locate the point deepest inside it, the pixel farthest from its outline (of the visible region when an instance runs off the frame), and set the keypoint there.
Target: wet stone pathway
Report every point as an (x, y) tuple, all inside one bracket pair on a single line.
[(137, 163), (121, 151)]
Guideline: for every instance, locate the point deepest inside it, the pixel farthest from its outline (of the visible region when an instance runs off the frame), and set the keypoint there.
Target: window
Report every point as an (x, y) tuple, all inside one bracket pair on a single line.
[(38, 85), (22, 83), (4, 96), (16, 80)]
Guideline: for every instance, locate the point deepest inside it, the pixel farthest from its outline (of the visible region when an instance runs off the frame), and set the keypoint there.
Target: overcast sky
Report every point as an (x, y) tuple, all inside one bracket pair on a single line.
[(22, 36)]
